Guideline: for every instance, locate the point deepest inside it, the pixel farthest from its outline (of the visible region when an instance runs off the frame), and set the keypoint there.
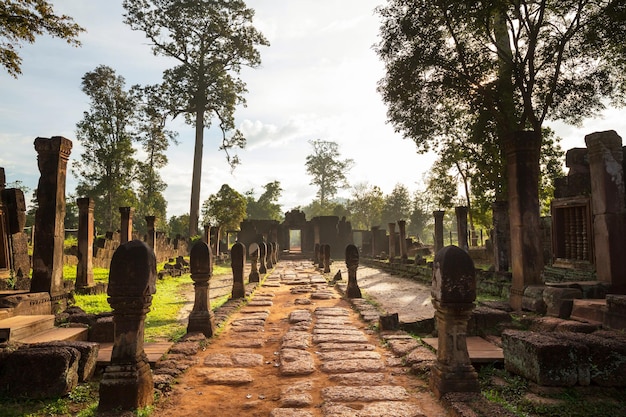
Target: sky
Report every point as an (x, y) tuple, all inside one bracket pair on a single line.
[(317, 80)]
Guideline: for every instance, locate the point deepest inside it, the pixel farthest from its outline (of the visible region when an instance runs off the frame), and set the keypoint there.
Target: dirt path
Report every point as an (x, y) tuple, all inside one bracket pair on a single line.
[(299, 349)]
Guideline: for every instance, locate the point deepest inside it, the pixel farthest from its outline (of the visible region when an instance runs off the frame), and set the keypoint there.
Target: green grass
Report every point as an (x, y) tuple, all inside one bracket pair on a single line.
[(81, 402), (99, 274)]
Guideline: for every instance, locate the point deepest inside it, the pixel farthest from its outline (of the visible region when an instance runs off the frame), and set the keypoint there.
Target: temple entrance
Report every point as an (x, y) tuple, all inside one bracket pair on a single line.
[(295, 240)]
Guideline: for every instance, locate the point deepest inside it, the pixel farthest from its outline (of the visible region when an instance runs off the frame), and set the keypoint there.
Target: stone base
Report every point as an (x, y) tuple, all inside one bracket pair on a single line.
[(126, 387), (99, 288), (239, 290), (254, 277), (201, 322), (353, 291), (445, 379)]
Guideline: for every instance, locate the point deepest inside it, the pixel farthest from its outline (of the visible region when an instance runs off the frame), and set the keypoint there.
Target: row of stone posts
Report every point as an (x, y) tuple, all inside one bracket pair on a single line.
[(402, 240)]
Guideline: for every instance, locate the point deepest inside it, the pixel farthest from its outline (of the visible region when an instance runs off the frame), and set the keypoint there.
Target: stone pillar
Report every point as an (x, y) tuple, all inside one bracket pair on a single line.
[(201, 268), (237, 264), (522, 160), (127, 381), (126, 227), (52, 156), (262, 257), (438, 229), (352, 264), (14, 245), (326, 258), (253, 251), (453, 294), (151, 233), (461, 227), (374, 242), (275, 251), (392, 241), (500, 237), (84, 269), (402, 230), (316, 254), (269, 261), (607, 205), (206, 236)]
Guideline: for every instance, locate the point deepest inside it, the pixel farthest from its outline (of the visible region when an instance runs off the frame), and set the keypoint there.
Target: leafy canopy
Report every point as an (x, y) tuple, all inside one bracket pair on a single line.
[(226, 208), (22, 21), (266, 206), (328, 172)]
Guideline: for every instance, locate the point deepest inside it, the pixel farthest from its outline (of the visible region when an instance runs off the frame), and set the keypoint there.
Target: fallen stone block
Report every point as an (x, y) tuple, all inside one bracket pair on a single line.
[(544, 359)]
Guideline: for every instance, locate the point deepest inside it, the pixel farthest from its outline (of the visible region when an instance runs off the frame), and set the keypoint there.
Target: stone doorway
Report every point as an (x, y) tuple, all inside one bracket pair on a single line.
[(295, 240)]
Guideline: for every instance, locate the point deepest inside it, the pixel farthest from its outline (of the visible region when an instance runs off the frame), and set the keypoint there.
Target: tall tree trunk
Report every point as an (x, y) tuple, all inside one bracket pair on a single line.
[(194, 210)]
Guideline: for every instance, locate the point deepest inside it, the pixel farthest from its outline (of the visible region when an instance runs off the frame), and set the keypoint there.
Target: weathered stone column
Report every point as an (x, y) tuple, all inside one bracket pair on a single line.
[(438, 215), (607, 200), (522, 160), (392, 241), (262, 257), (52, 156), (237, 264), (16, 249), (253, 251), (501, 233), (269, 261), (84, 269), (126, 224), (275, 251), (352, 264), (402, 230), (326, 258), (453, 294), (316, 254), (374, 242), (206, 236), (201, 268), (151, 233), (461, 227), (127, 382)]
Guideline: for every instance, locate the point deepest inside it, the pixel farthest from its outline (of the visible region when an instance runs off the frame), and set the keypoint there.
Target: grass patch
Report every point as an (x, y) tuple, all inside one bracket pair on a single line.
[(99, 274), (81, 402)]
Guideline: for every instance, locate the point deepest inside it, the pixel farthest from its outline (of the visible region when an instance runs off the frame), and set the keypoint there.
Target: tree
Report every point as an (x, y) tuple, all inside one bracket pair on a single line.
[(421, 216), (266, 207), (155, 139), (328, 172), (441, 187), (211, 42), (179, 225), (106, 166), (366, 206), (225, 209), (397, 205), (517, 62), (22, 21)]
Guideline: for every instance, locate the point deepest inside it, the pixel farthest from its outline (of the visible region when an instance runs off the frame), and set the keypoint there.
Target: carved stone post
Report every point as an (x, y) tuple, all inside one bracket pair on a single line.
[(316, 254), (607, 198), (326, 258), (501, 233), (237, 264), (262, 257), (52, 156), (453, 295), (461, 227), (374, 240), (438, 229), (206, 236), (126, 226), (392, 241), (402, 230), (151, 234), (127, 382), (269, 261), (522, 160), (84, 268), (201, 268), (253, 251), (322, 256), (352, 264)]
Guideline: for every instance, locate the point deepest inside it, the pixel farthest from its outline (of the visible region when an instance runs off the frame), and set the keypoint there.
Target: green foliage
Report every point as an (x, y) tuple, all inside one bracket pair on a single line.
[(226, 208), (21, 21), (421, 218), (397, 205), (328, 172), (210, 42), (366, 206), (332, 208), (179, 225), (105, 168), (266, 207)]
